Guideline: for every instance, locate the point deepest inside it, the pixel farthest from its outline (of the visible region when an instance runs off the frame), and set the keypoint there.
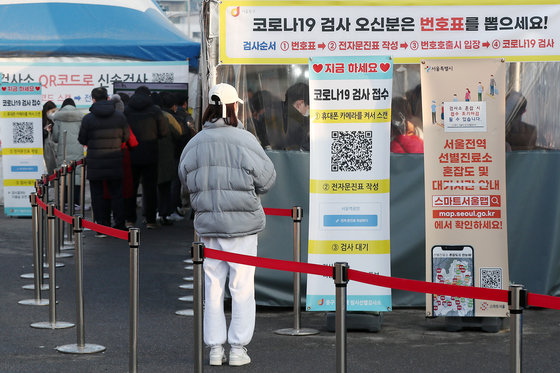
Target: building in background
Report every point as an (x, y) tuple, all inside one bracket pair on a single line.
[(185, 14)]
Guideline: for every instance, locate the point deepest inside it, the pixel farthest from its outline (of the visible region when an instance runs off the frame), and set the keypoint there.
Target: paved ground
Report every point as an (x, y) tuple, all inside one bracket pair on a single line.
[(407, 341)]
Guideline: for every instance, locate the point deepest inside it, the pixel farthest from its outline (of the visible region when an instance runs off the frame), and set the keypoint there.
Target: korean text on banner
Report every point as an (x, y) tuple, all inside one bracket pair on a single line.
[(350, 100), (22, 144), (463, 105), (289, 32)]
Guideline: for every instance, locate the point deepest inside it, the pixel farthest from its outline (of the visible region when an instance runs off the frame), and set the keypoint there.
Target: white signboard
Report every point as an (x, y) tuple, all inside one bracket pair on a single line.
[(60, 80), (257, 32), (350, 99), (22, 144)]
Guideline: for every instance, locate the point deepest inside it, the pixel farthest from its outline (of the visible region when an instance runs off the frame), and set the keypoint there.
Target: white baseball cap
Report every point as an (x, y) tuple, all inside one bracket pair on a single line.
[(226, 93)]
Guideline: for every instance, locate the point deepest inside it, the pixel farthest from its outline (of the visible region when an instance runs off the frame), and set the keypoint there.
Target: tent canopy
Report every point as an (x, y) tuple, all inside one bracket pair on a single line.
[(118, 28)]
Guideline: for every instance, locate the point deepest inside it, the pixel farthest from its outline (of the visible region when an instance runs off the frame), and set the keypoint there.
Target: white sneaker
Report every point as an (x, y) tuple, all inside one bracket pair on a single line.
[(238, 356), (217, 355)]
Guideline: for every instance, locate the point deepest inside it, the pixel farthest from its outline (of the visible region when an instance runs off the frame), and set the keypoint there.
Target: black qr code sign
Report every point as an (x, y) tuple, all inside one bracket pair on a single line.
[(163, 77), (351, 151), (23, 132), (491, 278)]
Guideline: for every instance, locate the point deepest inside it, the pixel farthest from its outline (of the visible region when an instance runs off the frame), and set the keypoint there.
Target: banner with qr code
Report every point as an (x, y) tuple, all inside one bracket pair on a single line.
[(350, 113), (60, 80), (289, 32), (463, 106), (22, 144)]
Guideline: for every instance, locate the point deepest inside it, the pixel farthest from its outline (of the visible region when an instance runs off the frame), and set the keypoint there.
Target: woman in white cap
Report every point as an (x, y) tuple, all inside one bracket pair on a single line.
[(225, 169)]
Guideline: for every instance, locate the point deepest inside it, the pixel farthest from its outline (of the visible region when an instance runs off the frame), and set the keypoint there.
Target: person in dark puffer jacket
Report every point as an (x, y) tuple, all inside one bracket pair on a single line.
[(148, 124), (103, 131)]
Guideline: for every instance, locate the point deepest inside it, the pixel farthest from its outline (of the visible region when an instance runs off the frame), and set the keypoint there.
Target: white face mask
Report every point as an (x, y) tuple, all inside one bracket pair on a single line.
[(306, 113)]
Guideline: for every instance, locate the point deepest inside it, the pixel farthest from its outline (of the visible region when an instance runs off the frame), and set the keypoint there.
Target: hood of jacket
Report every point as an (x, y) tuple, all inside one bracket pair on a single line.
[(140, 102), (68, 113), (102, 108)]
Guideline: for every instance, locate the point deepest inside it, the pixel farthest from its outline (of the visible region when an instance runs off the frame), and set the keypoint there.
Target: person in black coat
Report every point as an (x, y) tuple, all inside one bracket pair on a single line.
[(103, 131)]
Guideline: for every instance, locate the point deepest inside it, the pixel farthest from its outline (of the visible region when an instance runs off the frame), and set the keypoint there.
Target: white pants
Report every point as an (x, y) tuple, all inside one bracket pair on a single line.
[(242, 289)]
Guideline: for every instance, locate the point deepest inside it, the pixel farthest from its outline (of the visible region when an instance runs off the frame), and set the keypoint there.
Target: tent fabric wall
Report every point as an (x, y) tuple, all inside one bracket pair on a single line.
[(533, 207), (80, 28)]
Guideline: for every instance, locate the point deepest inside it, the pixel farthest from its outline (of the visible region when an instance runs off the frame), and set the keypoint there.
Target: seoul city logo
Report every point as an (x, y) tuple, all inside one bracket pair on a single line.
[(428, 68), (235, 12)]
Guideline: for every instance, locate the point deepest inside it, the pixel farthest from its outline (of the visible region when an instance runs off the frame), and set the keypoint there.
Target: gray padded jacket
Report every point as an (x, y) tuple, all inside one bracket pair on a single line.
[(224, 169)]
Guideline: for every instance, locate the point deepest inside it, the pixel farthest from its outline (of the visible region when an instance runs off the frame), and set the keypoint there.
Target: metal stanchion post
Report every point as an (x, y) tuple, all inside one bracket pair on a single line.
[(517, 302), (197, 254), (83, 188), (297, 217), (61, 206), (70, 202), (37, 262), (52, 323), (81, 347), (39, 195), (340, 275), (58, 202), (133, 243)]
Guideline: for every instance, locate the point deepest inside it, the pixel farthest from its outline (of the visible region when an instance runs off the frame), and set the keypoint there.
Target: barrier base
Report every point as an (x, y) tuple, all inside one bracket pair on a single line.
[(32, 275), (64, 255), (486, 324), (186, 298), (87, 348), (32, 287), (67, 245), (186, 312), (34, 302), (52, 325), (369, 321), (293, 331)]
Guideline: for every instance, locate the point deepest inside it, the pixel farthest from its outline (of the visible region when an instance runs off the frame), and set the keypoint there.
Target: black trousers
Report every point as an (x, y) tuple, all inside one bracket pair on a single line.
[(147, 174), (101, 212)]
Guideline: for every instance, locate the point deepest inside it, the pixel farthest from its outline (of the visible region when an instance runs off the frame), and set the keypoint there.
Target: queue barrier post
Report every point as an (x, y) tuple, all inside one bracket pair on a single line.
[(80, 347), (37, 259), (517, 301), (83, 188), (133, 243), (52, 323), (297, 217), (197, 255), (70, 203), (340, 276), (61, 206)]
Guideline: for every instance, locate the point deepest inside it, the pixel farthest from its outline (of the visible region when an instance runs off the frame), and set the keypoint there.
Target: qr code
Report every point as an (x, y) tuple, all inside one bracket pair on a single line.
[(23, 132), (163, 77), (351, 151), (491, 278)]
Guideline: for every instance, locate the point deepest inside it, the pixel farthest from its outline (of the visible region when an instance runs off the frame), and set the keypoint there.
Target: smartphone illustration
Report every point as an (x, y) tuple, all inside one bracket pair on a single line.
[(454, 265)]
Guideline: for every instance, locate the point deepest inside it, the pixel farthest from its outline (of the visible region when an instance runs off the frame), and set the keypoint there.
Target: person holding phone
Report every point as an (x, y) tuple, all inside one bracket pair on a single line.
[(225, 169)]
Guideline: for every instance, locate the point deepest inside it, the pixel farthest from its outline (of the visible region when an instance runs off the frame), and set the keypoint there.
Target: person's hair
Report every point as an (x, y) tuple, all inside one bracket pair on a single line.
[(214, 112), (67, 102), (298, 91), (124, 97), (181, 98), (99, 94), (260, 100), (168, 100), (49, 105), (143, 90)]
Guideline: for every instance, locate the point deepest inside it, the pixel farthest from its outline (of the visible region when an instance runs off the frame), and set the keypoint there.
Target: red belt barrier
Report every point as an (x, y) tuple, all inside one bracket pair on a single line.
[(277, 212), (117, 233), (497, 295)]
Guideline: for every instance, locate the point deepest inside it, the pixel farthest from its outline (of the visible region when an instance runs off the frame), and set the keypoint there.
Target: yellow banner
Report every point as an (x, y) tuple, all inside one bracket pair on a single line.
[(354, 116), (19, 182), (20, 114), (349, 186), (350, 247), (22, 151)]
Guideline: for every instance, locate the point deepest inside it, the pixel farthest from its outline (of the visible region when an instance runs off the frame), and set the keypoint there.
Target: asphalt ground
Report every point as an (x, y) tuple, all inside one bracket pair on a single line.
[(407, 341)]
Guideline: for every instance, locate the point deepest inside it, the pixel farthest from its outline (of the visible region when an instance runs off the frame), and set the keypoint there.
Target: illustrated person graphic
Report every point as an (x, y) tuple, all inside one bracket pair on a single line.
[(455, 98), (467, 95), (480, 90), (442, 112), (492, 85), (433, 111)]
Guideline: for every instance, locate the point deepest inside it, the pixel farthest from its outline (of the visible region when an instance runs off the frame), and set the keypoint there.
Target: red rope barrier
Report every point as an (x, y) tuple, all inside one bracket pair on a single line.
[(497, 295), (277, 212), (117, 233), (282, 265)]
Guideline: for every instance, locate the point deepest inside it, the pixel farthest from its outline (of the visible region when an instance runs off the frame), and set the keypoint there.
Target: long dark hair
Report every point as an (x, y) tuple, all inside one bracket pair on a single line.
[(46, 107), (214, 112)]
